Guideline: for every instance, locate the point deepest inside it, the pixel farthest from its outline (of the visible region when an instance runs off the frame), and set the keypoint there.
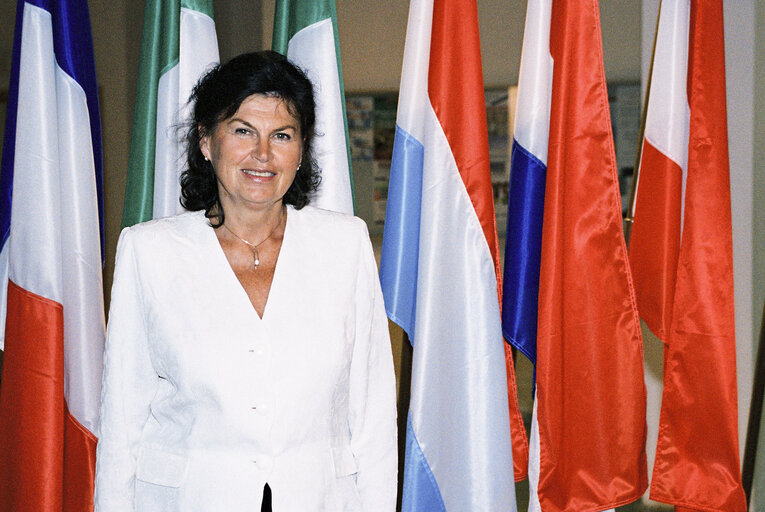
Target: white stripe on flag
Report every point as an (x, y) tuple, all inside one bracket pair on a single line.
[(313, 50), (668, 118), (35, 240), (532, 118)]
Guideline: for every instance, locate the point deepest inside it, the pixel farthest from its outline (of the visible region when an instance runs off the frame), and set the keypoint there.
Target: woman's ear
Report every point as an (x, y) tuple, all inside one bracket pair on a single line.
[(204, 147)]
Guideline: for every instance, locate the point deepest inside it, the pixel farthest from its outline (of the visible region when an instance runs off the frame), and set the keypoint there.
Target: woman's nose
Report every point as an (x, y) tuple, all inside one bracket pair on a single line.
[(260, 149)]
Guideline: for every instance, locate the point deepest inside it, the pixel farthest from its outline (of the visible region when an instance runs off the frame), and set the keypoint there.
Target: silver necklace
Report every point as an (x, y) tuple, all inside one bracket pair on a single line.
[(254, 247)]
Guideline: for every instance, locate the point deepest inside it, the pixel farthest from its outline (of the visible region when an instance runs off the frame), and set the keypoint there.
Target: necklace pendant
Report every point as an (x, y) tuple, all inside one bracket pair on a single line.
[(255, 259)]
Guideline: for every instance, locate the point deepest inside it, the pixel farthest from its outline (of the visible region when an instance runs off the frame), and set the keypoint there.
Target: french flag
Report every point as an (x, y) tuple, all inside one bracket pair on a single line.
[(681, 251), (439, 270), (568, 300), (50, 262)]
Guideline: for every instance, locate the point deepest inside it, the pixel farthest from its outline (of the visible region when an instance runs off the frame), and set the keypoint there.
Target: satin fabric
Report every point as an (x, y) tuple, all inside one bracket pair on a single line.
[(456, 98), (459, 376), (697, 456), (590, 393), (54, 327), (655, 238)]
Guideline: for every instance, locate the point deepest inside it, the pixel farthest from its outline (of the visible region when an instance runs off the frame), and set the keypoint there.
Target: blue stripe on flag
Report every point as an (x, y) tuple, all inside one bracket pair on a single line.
[(9, 144), (401, 239), (42, 4), (523, 246), (420, 487)]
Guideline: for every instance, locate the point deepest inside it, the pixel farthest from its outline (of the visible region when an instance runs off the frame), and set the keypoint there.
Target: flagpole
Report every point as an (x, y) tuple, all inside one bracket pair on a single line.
[(755, 415), (639, 152)]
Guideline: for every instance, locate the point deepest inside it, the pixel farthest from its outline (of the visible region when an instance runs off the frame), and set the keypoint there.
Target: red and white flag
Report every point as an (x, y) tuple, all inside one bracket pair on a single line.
[(682, 260)]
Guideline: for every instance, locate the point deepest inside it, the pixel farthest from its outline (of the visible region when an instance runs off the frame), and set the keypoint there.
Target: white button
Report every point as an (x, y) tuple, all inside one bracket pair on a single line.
[(258, 350), (260, 408)]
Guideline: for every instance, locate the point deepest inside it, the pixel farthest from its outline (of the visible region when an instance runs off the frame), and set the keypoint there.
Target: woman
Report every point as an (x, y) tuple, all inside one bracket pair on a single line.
[(247, 346)]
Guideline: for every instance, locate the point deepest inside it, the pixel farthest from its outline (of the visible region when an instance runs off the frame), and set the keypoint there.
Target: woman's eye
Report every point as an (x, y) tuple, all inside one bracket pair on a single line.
[(241, 131), (282, 136)]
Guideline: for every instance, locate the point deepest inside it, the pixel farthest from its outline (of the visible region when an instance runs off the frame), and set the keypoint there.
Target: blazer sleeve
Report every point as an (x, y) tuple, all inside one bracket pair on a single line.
[(129, 383), (372, 400)]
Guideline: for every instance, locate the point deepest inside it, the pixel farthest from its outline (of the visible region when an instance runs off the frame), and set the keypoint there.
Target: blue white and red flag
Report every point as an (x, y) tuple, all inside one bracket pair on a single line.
[(568, 298), (50, 263)]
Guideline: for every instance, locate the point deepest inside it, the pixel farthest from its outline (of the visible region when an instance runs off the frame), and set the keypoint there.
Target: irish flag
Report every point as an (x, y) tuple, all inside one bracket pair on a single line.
[(681, 251), (50, 262), (179, 44), (306, 32)]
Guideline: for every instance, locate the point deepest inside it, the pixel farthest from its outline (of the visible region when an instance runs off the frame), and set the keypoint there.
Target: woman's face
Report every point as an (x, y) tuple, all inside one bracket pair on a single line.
[(255, 153)]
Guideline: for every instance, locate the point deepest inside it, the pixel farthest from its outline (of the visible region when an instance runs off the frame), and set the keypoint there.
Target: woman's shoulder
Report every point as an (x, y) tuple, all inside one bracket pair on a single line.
[(166, 228), (327, 221)]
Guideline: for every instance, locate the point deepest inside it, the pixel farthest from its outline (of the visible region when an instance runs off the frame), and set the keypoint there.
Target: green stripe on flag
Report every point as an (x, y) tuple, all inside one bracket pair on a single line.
[(159, 52), (203, 6), (292, 16)]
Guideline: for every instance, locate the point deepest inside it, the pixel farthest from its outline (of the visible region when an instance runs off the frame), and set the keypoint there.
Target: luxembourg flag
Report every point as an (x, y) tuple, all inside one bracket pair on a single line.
[(306, 32), (178, 45), (682, 257), (568, 300), (439, 270), (51, 263)]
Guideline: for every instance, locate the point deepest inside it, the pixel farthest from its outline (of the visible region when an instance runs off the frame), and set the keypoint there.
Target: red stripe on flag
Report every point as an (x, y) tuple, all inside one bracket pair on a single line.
[(79, 466), (697, 456), (591, 396), (655, 240), (455, 88), (35, 440)]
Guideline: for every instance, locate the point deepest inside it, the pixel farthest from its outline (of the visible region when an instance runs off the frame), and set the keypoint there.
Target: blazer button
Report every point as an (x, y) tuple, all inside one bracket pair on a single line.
[(260, 409)]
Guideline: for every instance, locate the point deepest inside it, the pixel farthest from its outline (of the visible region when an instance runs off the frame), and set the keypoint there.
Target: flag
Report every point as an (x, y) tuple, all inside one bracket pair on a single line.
[(306, 32), (568, 294), (681, 253), (51, 263), (179, 44), (440, 270)]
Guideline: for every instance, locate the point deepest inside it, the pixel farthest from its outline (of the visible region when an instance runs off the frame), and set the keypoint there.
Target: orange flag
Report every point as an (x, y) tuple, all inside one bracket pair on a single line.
[(682, 260), (590, 390)]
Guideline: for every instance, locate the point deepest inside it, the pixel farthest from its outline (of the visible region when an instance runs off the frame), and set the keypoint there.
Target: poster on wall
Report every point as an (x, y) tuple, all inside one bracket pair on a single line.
[(372, 127)]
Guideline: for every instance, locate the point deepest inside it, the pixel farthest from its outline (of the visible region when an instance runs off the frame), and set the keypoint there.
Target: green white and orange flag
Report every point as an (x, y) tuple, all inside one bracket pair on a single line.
[(306, 32), (179, 44)]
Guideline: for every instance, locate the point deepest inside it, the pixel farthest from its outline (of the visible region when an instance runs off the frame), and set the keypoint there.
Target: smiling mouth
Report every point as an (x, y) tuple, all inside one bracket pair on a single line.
[(259, 174)]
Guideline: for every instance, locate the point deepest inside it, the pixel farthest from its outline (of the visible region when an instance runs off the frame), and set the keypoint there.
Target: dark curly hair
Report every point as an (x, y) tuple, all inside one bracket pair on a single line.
[(218, 95)]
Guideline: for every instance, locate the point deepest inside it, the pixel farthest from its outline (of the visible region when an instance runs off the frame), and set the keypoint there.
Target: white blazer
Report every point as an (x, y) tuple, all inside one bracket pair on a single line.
[(204, 402)]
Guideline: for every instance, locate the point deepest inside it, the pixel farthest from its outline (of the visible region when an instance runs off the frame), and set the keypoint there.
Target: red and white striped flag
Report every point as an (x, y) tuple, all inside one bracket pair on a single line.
[(682, 260)]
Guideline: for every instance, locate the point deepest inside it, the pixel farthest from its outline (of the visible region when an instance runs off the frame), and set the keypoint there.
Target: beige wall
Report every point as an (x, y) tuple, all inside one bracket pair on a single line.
[(372, 40)]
